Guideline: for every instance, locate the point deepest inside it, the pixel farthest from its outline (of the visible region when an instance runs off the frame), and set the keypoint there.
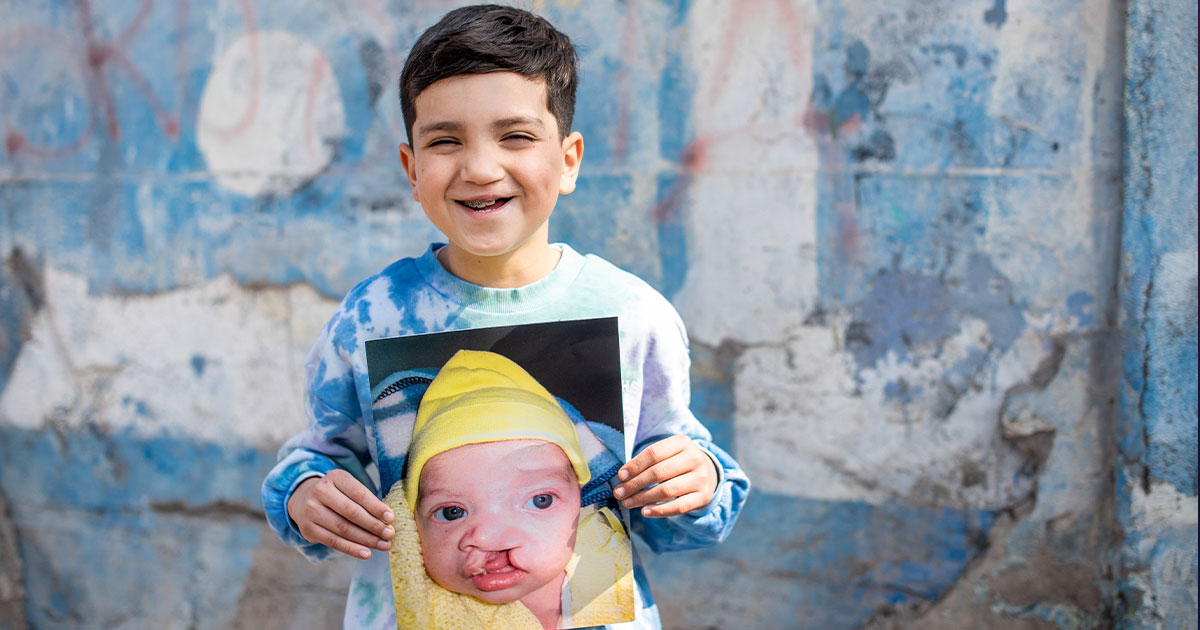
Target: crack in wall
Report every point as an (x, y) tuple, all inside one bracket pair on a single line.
[(218, 510), (12, 573)]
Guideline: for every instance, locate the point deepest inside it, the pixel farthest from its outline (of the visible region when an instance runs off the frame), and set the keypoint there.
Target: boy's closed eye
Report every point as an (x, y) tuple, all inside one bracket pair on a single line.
[(519, 138)]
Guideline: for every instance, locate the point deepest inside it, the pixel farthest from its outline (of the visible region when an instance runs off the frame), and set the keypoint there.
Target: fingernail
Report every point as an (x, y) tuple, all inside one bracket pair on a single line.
[(384, 545), (364, 554), (623, 474), (627, 503), (619, 492), (388, 516), (388, 532)]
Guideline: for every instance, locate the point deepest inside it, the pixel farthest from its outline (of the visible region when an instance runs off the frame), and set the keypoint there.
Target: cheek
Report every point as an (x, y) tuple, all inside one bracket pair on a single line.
[(438, 552), (430, 173), (560, 533)]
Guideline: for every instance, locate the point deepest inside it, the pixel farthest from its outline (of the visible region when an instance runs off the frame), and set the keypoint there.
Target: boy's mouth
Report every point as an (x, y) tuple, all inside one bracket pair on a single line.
[(485, 205)]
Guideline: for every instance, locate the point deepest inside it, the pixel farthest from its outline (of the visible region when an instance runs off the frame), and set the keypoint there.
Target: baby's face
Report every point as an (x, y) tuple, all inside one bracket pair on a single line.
[(497, 520)]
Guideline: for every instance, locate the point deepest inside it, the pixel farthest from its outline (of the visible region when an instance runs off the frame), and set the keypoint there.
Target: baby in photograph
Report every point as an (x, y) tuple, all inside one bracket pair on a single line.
[(497, 474)]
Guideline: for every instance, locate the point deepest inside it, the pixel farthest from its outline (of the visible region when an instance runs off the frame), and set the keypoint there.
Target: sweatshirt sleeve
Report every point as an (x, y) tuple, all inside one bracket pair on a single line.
[(335, 436), (665, 411)]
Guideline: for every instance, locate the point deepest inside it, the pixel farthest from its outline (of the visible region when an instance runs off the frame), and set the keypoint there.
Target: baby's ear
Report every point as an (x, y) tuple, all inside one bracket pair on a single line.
[(572, 148)]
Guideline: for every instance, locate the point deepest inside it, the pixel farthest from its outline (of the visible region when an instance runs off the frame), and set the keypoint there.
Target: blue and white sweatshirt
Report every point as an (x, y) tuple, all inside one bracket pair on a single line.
[(417, 295)]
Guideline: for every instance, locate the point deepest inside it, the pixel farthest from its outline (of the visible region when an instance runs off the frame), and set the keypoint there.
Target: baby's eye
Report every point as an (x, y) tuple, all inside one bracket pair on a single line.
[(540, 502), (451, 513)]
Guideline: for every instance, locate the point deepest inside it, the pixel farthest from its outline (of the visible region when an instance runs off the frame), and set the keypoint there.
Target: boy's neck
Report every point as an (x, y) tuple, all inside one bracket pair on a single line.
[(511, 270)]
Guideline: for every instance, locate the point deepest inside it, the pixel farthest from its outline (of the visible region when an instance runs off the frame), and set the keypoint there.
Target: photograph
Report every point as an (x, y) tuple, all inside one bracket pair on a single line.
[(499, 448)]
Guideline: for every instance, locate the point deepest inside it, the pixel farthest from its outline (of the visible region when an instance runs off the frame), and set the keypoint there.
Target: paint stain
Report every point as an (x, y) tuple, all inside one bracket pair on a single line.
[(1080, 305), (997, 15), (880, 146), (374, 63), (905, 311), (958, 52)]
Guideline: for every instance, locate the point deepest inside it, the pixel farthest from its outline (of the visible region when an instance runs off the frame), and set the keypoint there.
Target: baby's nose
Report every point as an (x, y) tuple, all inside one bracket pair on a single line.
[(492, 535)]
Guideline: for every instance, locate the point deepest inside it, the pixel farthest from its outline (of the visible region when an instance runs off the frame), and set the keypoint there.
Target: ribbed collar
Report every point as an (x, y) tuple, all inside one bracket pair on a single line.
[(493, 300)]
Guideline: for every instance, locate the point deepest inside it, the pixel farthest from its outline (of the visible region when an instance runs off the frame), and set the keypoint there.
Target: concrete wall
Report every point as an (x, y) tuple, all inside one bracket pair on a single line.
[(894, 230), (1156, 469)]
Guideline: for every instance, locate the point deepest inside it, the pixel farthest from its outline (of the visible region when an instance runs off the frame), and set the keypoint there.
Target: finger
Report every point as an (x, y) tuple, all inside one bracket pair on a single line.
[(680, 505), (334, 523), (671, 466), (653, 482), (333, 541), (680, 463), (361, 495), (355, 514), (657, 452), (675, 487), (333, 491)]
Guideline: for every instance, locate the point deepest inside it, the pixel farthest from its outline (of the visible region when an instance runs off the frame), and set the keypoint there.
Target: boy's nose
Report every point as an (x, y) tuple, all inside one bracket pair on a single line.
[(480, 166)]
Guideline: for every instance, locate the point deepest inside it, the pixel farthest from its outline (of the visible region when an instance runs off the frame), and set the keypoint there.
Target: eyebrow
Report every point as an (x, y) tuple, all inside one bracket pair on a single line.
[(504, 123), (426, 493), (433, 489), (566, 475), (516, 121)]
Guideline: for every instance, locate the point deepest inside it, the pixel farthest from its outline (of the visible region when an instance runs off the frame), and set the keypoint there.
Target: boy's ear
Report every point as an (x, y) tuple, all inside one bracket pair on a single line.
[(409, 160), (572, 148)]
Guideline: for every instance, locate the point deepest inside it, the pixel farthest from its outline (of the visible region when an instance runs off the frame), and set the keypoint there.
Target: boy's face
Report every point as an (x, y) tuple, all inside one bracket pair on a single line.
[(497, 520), (487, 164)]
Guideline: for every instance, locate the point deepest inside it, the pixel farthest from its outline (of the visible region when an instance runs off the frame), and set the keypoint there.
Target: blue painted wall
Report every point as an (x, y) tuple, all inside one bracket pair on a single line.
[(1156, 472), (937, 259)]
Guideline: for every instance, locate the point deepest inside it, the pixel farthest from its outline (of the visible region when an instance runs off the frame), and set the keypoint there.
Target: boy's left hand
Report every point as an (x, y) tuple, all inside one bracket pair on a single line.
[(685, 475)]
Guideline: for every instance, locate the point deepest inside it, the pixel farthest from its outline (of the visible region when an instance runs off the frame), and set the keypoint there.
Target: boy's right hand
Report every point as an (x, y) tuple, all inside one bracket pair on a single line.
[(338, 511)]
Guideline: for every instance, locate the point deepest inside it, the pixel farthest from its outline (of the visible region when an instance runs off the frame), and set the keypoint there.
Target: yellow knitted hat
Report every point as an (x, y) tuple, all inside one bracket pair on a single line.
[(483, 397)]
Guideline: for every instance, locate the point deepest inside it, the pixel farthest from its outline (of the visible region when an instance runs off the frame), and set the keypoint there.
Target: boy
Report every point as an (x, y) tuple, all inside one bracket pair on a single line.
[(491, 508), (488, 96)]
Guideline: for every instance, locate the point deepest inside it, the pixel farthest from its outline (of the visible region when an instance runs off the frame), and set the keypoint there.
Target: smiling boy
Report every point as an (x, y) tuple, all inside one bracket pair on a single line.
[(488, 97), (487, 163)]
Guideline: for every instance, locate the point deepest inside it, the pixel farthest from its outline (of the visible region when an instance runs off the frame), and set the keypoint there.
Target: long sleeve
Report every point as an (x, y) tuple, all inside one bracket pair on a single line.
[(664, 411), (335, 436)]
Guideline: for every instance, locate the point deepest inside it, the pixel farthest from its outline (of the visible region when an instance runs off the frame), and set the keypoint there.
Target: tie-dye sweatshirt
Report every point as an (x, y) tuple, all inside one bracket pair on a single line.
[(417, 295)]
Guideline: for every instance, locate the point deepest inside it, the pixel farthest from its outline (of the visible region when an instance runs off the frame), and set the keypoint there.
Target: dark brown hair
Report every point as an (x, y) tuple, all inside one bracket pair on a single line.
[(492, 38)]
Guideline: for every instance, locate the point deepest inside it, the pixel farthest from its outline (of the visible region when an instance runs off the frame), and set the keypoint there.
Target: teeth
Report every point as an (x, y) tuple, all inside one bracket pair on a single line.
[(479, 204)]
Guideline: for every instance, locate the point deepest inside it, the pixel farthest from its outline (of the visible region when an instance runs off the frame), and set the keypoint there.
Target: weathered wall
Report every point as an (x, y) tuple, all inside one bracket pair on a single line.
[(894, 230), (1156, 472)]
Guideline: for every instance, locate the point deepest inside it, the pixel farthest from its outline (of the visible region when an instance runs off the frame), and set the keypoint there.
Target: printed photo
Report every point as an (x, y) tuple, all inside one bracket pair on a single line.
[(500, 447)]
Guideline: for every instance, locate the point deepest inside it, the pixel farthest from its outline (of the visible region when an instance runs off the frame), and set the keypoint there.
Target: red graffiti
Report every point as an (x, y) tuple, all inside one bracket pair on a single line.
[(96, 64), (696, 156)]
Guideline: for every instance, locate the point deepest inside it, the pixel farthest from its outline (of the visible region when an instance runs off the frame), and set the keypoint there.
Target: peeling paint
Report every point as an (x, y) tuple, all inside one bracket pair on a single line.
[(138, 361)]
